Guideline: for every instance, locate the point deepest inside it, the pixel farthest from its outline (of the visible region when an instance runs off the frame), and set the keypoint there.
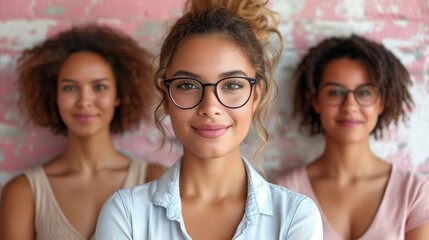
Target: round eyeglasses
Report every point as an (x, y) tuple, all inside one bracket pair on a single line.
[(231, 92), (334, 94)]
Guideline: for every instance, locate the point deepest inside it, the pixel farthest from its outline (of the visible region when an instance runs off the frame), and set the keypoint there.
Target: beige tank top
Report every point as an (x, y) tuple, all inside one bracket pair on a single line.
[(50, 221)]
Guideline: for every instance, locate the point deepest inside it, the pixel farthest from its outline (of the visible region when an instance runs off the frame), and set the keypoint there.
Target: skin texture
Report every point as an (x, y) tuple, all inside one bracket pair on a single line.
[(86, 94), (348, 172), (90, 169), (203, 192)]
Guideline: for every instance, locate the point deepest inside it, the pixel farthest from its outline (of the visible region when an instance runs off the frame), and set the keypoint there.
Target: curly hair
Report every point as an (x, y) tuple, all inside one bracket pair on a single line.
[(39, 67), (248, 24), (386, 73)]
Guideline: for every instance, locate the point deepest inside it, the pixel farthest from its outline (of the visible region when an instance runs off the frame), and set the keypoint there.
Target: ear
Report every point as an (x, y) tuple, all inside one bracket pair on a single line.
[(381, 107), (315, 104), (165, 101), (117, 102), (256, 95)]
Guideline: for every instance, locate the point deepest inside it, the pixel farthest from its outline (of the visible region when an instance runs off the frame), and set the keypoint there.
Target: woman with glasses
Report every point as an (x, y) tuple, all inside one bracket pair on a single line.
[(216, 78), (86, 90), (347, 89)]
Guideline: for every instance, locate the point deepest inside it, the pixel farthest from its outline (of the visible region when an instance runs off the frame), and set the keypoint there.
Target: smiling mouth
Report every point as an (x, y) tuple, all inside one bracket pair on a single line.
[(349, 123), (211, 131), (84, 117)]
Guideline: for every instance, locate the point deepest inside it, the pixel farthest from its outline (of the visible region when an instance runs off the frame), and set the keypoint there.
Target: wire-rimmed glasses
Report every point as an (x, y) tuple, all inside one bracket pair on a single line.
[(231, 92), (334, 94)]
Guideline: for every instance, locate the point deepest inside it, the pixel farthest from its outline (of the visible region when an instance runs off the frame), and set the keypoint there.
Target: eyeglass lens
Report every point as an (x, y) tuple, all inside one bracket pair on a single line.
[(333, 94), (232, 92)]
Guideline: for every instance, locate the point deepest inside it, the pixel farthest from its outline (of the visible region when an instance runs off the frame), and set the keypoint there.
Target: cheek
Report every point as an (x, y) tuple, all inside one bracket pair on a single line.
[(107, 101), (326, 115), (372, 113), (65, 102), (243, 115)]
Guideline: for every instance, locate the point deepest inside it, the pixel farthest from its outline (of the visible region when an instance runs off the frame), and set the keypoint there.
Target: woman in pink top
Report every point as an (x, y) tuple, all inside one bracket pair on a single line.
[(347, 89), (85, 83)]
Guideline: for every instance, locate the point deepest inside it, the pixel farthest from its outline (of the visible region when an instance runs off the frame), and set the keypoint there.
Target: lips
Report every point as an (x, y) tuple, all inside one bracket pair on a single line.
[(349, 122), (84, 117), (210, 131)]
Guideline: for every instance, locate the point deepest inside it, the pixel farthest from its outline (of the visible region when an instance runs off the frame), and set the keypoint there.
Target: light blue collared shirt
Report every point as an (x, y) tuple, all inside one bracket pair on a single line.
[(154, 211)]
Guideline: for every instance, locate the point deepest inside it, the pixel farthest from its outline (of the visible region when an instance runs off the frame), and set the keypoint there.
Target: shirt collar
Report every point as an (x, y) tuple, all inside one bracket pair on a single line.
[(258, 202)]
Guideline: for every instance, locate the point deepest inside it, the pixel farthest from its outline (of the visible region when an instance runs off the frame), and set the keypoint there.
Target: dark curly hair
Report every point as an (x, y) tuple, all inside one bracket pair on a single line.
[(385, 70), (38, 70)]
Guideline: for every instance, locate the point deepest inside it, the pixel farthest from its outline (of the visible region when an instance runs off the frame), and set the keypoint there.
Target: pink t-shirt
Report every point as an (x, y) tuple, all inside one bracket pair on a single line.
[(405, 204)]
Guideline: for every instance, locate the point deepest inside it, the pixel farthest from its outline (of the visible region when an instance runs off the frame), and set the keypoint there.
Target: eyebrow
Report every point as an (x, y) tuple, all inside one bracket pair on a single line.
[(67, 80), (337, 84), (222, 75)]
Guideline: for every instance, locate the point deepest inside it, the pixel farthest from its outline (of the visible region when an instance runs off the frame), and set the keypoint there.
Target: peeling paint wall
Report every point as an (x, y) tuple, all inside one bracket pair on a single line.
[(402, 25)]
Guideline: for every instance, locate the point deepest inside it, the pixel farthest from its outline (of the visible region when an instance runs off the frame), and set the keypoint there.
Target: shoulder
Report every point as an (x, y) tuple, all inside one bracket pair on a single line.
[(17, 210), (291, 199), (409, 182), (17, 199), (134, 197), (293, 178), (18, 188), (298, 212), (411, 192), (124, 203)]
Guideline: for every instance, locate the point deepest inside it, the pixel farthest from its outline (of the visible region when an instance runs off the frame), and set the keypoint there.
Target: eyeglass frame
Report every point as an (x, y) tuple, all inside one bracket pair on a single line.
[(167, 83), (350, 91)]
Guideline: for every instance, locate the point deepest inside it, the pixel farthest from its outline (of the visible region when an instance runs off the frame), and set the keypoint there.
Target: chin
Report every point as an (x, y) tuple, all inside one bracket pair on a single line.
[(352, 140)]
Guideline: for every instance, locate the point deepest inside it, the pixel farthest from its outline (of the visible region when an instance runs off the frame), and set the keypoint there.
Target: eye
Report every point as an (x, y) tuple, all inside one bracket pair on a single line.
[(335, 92), (100, 88), (233, 84), (364, 93), (69, 88), (186, 85)]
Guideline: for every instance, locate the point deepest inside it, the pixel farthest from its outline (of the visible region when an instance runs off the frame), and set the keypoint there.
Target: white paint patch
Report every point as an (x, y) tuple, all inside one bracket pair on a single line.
[(394, 8), (6, 61), (418, 127), (286, 30), (8, 130), (109, 21), (395, 45), (22, 34), (401, 22), (91, 5), (379, 8), (319, 13), (328, 28), (351, 8), (288, 9)]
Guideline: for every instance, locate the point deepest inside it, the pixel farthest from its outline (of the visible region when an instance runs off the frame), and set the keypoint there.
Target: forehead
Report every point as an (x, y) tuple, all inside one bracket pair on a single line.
[(209, 56), (85, 65), (345, 71)]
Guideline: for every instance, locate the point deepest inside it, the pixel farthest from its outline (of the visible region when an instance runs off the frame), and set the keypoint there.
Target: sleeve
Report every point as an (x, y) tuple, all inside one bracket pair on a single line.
[(306, 222), (419, 207), (114, 220)]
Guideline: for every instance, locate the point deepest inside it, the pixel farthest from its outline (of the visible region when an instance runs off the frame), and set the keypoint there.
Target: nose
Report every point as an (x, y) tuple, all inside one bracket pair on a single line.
[(85, 98), (210, 105), (349, 103)]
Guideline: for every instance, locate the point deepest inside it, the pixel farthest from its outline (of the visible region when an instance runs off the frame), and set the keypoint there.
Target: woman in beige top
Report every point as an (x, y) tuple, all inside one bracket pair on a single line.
[(84, 83)]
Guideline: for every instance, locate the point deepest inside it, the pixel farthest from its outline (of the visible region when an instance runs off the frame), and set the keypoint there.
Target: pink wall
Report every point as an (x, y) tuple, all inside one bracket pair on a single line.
[(403, 26)]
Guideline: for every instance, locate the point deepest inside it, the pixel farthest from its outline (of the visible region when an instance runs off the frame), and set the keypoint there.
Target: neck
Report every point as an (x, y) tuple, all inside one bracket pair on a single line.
[(352, 160), (213, 180), (90, 153)]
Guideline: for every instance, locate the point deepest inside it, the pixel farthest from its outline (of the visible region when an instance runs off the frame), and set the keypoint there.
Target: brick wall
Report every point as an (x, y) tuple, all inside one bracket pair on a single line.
[(402, 25)]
